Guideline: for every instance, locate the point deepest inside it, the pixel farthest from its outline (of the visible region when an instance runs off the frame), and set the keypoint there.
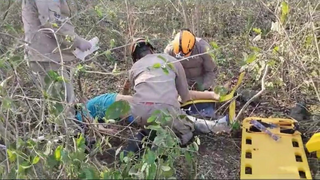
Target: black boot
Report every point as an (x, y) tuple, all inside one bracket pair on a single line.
[(135, 143)]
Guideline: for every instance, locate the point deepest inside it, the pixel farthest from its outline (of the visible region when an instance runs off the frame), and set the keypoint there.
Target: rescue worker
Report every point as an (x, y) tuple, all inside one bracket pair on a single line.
[(47, 28), (158, 80), (200, 70)]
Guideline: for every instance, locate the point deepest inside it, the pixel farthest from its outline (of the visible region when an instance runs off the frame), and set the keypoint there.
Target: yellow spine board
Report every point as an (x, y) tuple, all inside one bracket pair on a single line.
[(313, 145), (264, 158)]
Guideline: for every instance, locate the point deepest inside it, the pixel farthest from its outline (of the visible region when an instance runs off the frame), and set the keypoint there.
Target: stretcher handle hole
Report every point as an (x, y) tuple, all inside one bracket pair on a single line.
[(248, 170), (248, 141), (302, 174), (248, 155), (295, 143), (298, 158)]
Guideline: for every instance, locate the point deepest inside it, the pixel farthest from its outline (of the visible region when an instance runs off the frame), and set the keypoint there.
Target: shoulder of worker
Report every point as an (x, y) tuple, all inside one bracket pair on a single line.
[(149, 60), (57, 6), (202, 45)]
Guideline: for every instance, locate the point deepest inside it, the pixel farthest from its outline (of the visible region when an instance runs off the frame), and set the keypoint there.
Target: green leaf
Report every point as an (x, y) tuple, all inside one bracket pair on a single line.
[(117, 109), (151, 119), (55, 25), (257, 30), (90, 173), (31, 143), (255, 49), (35, 160), (6, 103), (51, 161), (112, 43), (197, 140), (154, 127), (195, 145), (156, 65), (25, 165), (171, 66), (144, 166), (275, 49), (165, 70), (151, 157), (162, 58), (214, 45), (152, 171), (235, 125), (108, 54), (251, 58), (165, 168), (188, 157), (12, 155), (121, 156), (81, 142), (284, 11), (57, 153), (221, 90), (98, 11)]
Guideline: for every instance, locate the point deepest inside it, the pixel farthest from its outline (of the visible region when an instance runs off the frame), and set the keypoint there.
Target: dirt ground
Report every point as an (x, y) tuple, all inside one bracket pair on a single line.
[(219, 157)]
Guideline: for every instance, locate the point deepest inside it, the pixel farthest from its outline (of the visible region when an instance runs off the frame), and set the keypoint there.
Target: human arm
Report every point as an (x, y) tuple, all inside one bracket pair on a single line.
[(199, 95), (181, 82), (50, 16), (126, 87)]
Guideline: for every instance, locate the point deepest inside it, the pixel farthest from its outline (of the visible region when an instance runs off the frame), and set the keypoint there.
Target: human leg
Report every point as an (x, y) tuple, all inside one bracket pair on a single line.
[(181, 127), (206, 126)]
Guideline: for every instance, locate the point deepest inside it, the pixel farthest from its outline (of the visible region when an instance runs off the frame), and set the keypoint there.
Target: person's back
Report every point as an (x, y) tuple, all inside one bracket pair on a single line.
[(158, 80), (154, 84)]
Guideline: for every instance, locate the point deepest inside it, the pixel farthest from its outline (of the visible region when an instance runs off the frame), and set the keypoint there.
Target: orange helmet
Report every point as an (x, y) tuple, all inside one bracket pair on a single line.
[(183, 43), (139, 42)]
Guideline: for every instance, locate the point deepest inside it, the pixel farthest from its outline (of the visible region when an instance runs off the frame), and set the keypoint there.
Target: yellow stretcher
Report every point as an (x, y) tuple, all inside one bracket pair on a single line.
[(262, 157), (228, 97), (313, 145)]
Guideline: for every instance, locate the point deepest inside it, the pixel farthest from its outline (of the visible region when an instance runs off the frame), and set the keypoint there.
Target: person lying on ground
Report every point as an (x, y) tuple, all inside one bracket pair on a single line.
[(201, 70), (97, 106)]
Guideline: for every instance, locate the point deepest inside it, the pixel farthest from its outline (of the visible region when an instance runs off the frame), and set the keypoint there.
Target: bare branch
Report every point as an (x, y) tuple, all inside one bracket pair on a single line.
[(255, 96)]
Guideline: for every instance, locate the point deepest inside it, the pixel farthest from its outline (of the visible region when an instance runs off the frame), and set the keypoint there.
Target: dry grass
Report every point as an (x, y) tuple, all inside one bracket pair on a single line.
[(292, 53)]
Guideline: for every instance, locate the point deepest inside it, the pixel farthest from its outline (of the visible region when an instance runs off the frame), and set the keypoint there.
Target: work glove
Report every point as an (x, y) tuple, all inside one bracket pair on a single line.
[(82, 44)]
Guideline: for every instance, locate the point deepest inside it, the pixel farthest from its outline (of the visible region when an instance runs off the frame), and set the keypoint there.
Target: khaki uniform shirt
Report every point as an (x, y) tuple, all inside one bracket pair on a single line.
[(51, 14), (152, 84), (200, 68)]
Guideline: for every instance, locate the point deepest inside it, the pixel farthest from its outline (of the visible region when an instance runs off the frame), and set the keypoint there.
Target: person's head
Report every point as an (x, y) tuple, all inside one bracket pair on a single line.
[(183, 43), (140, 48)]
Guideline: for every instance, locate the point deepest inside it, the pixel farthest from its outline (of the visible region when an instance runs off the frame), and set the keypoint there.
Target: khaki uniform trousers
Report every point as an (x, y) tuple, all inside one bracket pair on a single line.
[(183, 128)]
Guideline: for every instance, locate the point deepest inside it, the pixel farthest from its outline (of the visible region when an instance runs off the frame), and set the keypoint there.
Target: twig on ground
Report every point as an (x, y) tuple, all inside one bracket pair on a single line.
[(255, 96)]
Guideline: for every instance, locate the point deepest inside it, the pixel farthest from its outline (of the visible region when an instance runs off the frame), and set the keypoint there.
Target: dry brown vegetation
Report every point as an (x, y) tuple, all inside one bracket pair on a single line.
[(246, 34)]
